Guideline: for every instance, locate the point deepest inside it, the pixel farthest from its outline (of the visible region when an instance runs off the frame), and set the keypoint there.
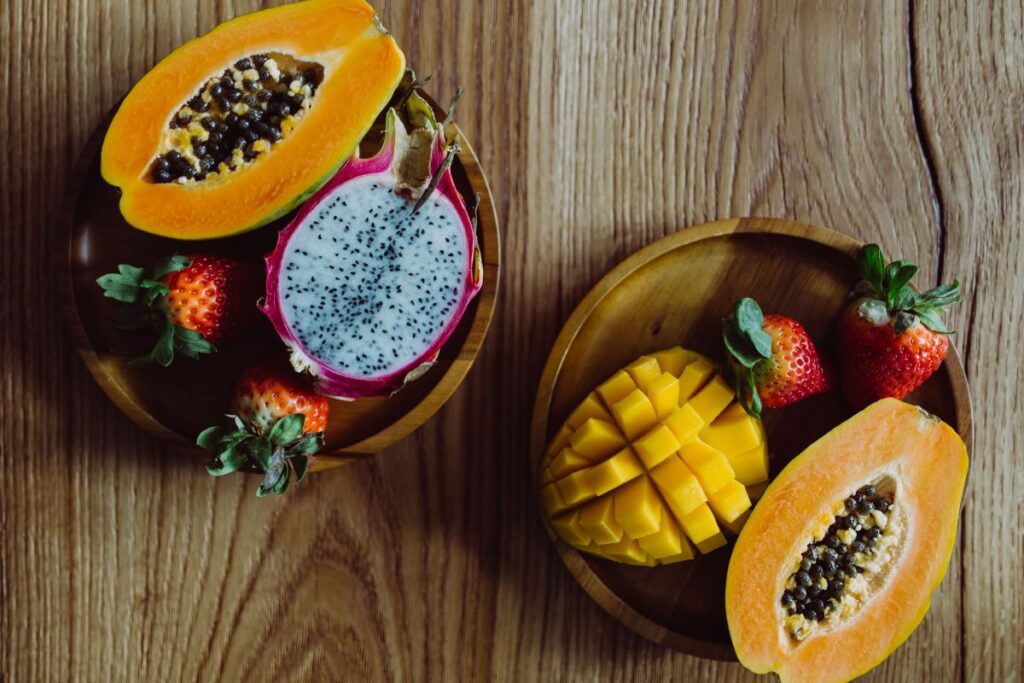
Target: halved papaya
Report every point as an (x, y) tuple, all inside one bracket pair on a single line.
[(837, 564), (236, 128)]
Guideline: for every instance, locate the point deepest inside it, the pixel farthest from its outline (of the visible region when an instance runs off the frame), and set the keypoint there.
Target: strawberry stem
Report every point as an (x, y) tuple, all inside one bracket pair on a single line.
[(889, 284)]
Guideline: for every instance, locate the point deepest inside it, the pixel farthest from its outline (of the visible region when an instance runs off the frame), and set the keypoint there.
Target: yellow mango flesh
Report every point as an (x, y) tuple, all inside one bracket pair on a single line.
[(654, 462)]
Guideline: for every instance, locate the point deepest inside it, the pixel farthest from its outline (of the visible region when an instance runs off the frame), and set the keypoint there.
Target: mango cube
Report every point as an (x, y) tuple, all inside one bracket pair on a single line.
[(591, 407), (546, 476), (736, 526), (644, 371), (729, 502), (733, 431), (664, 394), (637, 508), (694, 376), (710, 401), (616, 388), (614, 472), (657, 445), (665, 542), (635, 414), (568, 528), (750, 467), (674, 360), (560, 441), (700, 524), (683, 556), (712, 469), (567, 462), (575, 488), (626, 550), (713, 543), (678, 486), (685, 423), (551, 499), (597, 518), (596, 439)]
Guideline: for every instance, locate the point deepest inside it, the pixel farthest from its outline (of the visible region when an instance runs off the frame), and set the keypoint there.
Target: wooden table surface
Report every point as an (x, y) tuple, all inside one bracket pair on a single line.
[(603, 126)]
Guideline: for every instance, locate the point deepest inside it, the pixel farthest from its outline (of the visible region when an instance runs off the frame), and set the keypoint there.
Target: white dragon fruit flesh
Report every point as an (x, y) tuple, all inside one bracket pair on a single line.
[(370, 279)]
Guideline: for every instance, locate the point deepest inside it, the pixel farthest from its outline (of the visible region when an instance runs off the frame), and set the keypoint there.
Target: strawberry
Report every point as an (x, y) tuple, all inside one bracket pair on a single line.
[(891, 338), (193, 302), (774, 362), (279, 423)]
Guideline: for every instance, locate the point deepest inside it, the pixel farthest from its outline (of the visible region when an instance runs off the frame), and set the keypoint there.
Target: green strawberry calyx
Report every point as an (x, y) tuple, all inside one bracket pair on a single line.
[(140, 293), (280, 453), (748, 346), (885, 295)]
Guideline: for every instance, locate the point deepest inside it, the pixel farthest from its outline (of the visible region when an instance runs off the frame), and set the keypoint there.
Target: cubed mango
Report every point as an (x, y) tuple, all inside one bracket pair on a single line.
[(685, 423), (713, 543), (644, 371), (694, 376), (560, 441), (750, 467), (596, 439), (700, 524), (734, 431), (634, 414), (729, 502), (655, 446), (567, 462), (664, 394), (674, 360), (638, 508), (712, 469), (576, 488), (597, 518), (616, 388), (614, 472), (665, 542), (678, 486), (590, 407), (626, 550), (568, 528), (712, 399)]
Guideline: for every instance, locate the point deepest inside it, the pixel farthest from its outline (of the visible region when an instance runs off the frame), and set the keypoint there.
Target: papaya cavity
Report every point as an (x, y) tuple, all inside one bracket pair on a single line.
[(236, 117), (845, 562)]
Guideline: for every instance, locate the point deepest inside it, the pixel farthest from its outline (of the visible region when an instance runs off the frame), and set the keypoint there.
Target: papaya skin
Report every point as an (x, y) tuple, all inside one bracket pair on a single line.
[(362, 67), (929, 462)]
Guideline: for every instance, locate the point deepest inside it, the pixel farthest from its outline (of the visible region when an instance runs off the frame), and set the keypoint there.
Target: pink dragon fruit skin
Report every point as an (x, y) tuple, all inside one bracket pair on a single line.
[(364, 348)]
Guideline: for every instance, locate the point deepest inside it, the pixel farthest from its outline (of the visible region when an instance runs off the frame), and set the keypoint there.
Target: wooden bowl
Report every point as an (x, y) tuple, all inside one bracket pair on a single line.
[(677, 291), (178, 402)]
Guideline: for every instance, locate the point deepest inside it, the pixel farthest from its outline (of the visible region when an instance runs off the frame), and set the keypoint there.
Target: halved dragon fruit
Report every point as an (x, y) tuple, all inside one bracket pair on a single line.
[(374, 274)]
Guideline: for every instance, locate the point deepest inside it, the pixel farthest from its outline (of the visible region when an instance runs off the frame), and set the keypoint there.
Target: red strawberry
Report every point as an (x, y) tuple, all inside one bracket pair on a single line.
[(773, 360), (266, 393), (279, 424), (214, 296), (891, 338), (193, 302)]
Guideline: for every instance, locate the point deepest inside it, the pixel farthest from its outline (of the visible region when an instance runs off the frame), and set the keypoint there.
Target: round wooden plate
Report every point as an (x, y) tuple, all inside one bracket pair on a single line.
[(677, 291), (178, 402)]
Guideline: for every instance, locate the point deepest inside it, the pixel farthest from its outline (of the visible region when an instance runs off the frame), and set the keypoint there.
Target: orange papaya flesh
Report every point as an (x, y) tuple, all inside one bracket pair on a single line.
[(332, 68), (913, 460)]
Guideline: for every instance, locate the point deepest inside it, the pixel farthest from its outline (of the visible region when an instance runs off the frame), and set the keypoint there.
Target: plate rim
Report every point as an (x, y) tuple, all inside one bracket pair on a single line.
[(574, 561), (489, 241)]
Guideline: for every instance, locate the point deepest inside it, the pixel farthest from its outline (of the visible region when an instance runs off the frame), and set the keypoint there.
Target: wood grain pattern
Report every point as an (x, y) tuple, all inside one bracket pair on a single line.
[(602, 126)]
